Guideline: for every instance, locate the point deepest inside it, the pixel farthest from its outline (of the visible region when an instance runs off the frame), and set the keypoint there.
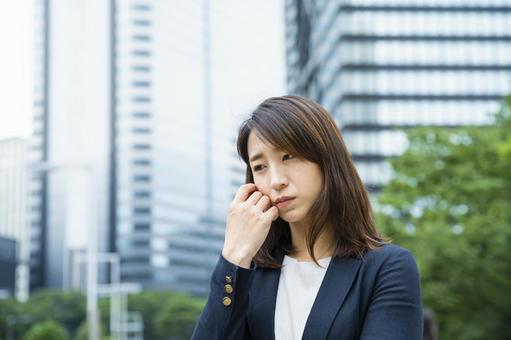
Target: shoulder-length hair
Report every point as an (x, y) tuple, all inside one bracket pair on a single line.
[(305, 129)]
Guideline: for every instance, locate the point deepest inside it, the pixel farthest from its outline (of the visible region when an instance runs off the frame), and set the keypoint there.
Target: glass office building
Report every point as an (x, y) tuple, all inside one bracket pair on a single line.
[(70, 135), (131, 105), (161, 130), (380, 67), (175, 168), (156, 117), (8, 262), (13, 210), (38, 148)]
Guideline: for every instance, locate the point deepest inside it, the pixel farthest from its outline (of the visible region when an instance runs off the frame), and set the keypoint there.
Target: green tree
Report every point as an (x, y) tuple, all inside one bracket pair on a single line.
[(176, 320), (449, 202), (48, 330), (151, 305), (65, 307), (9, 312), (83, 332)]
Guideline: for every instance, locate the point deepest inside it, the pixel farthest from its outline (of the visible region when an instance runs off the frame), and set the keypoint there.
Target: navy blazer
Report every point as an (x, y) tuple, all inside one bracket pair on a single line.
[(376, 297)]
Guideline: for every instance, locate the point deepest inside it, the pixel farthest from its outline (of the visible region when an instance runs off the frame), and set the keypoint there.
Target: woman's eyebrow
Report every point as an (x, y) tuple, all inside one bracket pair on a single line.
[(260, 154), (256, 157)]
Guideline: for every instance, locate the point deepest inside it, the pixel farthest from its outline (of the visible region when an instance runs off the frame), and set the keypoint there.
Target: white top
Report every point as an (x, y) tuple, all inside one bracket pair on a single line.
[(298, 286)]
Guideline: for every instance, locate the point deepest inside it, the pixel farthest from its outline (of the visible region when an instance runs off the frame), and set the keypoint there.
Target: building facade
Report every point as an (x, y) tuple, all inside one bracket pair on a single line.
[(159, 134), (38, 147), (176, 169), (69, 147), (8, 264), (380, 67), (14, 231)]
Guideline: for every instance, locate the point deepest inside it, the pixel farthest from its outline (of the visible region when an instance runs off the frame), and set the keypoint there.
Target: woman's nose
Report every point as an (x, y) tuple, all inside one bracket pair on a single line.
[(278, 179)]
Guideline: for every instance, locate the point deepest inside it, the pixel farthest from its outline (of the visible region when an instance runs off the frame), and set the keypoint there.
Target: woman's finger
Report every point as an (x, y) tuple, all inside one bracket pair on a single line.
[(254, 198), (263, 203), (243, 192)]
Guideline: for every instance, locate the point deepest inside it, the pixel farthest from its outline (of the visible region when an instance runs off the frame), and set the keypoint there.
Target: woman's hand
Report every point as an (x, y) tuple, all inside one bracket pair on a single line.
[(249, 219)]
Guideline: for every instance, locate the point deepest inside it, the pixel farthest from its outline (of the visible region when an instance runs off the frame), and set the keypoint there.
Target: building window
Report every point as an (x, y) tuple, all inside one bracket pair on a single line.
[(141, 68), (141, 37), (141, 99), (142, 178), (141, 22), (140, 83), (141, 130), (141, 162), (142, 226), (137, 259), (142, 147), (141, 114), (136, 276), (141, 7), (141, 243), (142, 194), (142, 210), (141, 53)]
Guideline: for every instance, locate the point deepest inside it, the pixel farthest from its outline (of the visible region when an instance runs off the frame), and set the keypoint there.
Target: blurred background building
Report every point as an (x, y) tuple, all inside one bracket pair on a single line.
[(136, 105), (384, 66), (162, 135), (8, 263), (149, 97), (71, 134), (14, 236)]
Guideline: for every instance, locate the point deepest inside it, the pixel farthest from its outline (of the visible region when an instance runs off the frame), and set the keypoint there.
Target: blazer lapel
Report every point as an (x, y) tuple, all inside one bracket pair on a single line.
[(264, 298), (333, 290)]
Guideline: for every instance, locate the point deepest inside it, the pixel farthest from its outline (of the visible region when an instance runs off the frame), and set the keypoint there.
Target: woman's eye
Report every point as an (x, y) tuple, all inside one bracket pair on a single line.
[(261, 166)]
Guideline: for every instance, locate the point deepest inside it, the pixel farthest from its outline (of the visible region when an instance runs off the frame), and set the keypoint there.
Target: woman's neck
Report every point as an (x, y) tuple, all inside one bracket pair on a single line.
[(323, 247)]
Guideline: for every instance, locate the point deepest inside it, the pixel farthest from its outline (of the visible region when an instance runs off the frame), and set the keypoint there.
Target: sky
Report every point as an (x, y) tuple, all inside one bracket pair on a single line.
[(16, 65)]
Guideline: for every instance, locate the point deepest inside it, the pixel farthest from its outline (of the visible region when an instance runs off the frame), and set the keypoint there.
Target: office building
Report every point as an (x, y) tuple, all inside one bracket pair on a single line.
[(156, 120), (14, 231), (8, 264), (380, 67), (70, 146)]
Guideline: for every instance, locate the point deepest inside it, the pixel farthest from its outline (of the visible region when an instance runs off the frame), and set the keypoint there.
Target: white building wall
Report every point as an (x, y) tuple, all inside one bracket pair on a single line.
[(77, 130)]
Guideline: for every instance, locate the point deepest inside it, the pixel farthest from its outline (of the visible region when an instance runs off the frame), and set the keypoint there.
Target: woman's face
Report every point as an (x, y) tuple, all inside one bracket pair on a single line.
[(279, 174)]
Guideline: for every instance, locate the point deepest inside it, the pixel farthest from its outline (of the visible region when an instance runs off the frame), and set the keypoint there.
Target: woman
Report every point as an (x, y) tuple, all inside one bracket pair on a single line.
[(302, 258)]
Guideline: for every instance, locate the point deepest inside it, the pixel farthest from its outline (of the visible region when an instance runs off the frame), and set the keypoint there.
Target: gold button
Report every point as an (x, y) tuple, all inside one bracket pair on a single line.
[(228, 289), (226, 301), (228, 279)]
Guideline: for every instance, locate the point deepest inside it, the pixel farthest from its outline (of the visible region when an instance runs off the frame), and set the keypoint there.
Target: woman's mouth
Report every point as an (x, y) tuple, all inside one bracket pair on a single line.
[(285, 203)]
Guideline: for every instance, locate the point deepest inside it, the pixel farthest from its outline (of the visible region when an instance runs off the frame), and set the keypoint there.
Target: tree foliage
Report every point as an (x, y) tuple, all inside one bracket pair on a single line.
[(166, 315), (176, 320), (9, 312), (449, 202), (65, 307), (48, 330)]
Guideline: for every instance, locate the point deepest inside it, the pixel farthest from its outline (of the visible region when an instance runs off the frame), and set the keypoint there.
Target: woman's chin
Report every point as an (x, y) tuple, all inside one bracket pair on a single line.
[(289, 217)]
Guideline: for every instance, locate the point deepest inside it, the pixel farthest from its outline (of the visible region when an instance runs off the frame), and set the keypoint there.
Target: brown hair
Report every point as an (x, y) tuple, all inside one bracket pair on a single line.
[(305, 129), (430, 326)]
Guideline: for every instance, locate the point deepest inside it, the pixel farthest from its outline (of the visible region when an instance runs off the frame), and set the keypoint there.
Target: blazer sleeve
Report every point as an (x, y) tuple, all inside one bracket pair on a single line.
[(395, 309), (225, 314)]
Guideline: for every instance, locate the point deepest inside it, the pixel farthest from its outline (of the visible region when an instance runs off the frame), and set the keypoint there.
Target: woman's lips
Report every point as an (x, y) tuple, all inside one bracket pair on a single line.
[(285, 203)]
